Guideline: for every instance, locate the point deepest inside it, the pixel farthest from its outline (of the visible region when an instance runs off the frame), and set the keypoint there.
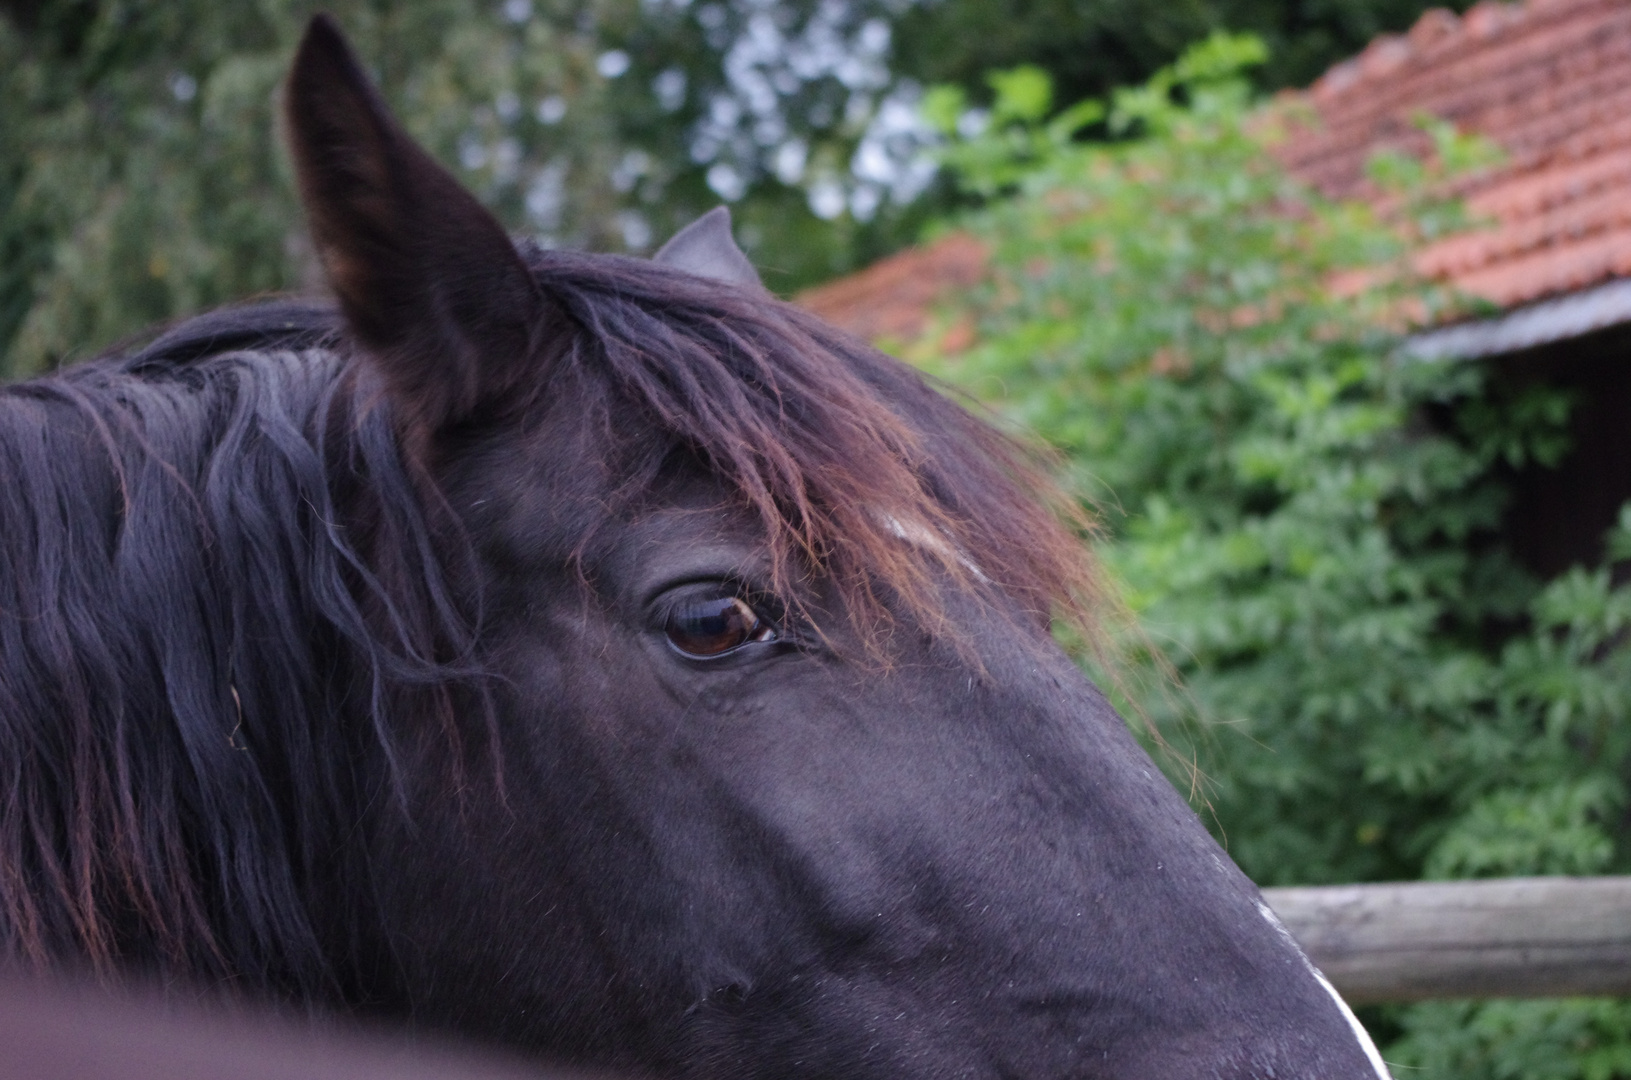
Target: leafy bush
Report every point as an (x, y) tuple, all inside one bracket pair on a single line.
[(1305, 519)]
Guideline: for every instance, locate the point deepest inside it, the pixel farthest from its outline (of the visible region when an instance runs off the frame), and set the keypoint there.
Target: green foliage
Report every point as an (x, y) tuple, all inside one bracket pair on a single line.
[(1505, 1040), (1017, 142), (141, 176), (1306, 521), (1091, 46)]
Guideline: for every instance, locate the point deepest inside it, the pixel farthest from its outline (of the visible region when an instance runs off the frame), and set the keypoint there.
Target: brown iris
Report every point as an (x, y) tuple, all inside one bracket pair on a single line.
[(714, 626)]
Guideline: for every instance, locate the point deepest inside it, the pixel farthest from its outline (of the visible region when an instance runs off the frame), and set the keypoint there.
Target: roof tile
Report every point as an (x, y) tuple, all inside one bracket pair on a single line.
[(1549, 81), (892, 297)]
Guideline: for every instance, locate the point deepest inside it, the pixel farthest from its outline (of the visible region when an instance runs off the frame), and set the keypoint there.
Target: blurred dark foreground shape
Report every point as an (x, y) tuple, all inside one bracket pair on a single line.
[(56, 1031)]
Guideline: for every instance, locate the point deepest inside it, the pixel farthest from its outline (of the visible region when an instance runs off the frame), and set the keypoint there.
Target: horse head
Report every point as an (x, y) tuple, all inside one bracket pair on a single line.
[(740, 745)]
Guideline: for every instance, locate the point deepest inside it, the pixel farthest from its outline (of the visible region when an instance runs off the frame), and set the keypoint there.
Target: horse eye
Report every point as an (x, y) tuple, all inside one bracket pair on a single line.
[(715, 626)]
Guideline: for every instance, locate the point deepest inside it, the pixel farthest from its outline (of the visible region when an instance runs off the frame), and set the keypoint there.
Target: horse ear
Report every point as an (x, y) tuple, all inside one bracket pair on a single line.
[(706, 247), (427, 279)]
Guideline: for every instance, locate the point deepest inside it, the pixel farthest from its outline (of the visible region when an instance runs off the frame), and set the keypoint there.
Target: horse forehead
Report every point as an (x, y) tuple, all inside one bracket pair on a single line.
[(548, 499), (692, 529)]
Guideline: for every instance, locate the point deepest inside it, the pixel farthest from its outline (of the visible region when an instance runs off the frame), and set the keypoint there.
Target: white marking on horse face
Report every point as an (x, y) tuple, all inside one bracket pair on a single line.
[(1358, 1029), (920, 535)]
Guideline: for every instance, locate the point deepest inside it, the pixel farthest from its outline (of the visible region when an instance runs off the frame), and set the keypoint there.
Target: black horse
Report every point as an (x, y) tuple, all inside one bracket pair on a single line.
[(596, 656)]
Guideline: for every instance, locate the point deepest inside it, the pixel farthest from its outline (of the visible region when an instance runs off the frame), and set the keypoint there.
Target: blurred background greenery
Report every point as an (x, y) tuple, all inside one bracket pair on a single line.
[(141, 177), (1307, 527)]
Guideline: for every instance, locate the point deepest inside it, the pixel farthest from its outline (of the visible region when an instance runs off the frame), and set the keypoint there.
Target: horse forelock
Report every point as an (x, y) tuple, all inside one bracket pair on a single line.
[(857, 469), (220, 584)]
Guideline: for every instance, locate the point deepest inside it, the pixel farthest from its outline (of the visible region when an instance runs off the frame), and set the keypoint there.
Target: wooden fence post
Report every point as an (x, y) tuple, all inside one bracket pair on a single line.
[(1514, 937)]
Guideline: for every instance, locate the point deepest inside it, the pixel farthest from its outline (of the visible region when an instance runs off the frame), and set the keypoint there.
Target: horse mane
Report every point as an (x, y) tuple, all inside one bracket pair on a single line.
[(225, 587), (198, 638)]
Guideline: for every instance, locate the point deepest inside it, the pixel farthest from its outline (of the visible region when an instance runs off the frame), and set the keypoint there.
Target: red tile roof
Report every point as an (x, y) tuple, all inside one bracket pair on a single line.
[(1549, 81), (891, 298)]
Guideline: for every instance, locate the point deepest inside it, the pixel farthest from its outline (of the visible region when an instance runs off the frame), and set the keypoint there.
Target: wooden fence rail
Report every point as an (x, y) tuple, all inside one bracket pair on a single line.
[(1516, 937)]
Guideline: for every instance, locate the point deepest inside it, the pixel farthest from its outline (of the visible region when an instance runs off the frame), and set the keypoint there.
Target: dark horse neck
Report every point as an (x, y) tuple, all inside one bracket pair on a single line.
[(201, 644)]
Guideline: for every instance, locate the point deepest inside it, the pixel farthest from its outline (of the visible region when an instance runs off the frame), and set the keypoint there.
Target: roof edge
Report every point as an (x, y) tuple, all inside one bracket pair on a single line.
[(1557, 319)]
